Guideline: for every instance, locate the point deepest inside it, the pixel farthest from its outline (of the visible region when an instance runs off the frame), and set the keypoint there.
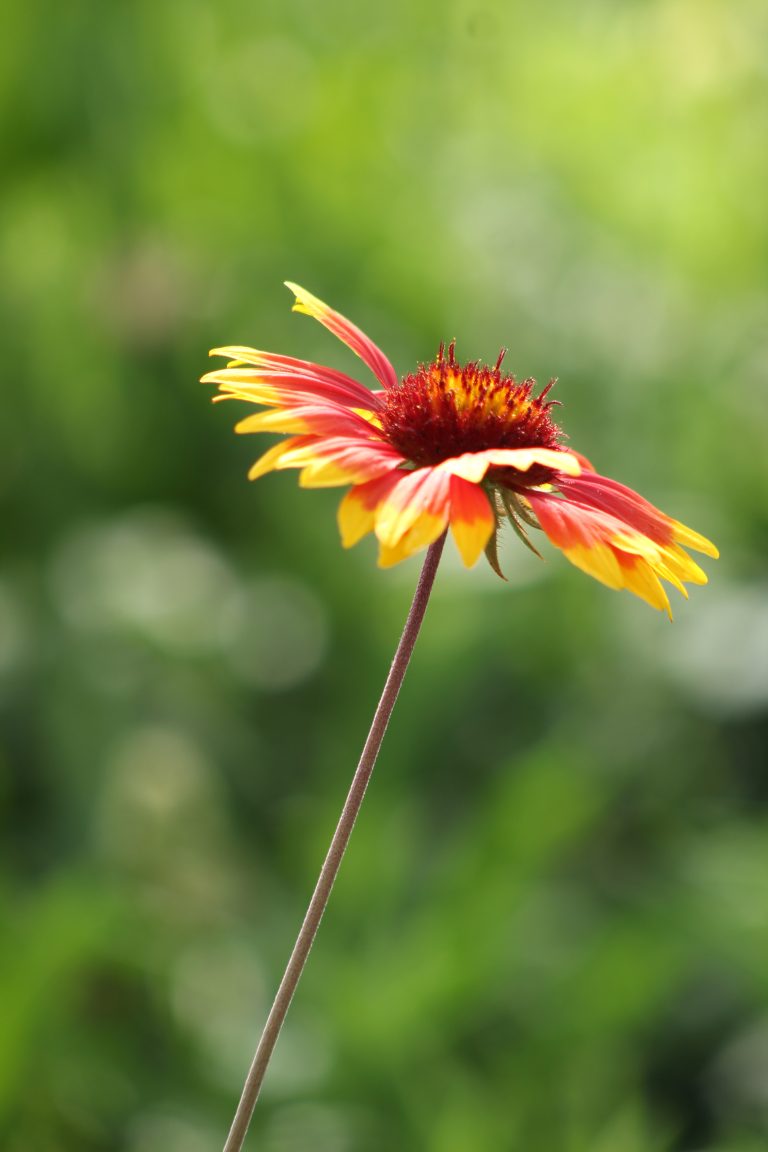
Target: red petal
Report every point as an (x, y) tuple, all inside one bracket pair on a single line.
[(352, 336)]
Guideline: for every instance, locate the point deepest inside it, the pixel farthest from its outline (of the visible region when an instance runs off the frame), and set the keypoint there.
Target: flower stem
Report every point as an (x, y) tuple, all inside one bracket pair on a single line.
[(338, 846)]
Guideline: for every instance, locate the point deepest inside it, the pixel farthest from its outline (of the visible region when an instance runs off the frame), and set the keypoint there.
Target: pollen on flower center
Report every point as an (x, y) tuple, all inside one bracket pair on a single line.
[(447, 408)]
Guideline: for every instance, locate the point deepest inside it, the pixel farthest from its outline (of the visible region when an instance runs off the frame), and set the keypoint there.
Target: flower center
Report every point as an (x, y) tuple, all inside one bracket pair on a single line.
[(447, 408)]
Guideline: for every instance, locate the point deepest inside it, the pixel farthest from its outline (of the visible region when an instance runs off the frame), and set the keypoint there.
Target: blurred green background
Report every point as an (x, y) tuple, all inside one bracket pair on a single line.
[(551, 931)]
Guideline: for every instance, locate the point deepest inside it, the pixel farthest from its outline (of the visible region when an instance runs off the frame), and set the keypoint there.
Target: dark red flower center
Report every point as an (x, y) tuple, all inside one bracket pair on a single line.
[(447, 408)]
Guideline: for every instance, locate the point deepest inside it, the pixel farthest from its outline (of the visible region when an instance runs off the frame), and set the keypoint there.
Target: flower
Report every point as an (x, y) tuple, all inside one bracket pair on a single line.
[(451, 444)]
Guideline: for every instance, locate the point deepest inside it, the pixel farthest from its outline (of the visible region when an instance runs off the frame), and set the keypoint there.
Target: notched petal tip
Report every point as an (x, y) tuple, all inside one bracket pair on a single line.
[(346, 331), (303, 298), (690, 539), (226, 351)]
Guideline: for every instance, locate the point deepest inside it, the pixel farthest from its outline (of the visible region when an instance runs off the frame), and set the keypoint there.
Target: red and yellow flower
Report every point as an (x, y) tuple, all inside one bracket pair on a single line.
[(464, 446)]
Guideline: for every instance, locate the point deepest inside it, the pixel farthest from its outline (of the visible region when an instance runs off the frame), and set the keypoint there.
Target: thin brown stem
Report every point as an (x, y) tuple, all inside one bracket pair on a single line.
[(329, 871)]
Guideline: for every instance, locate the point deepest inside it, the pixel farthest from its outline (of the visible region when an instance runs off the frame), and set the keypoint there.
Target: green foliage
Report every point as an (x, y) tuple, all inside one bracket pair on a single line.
[(550, 932)]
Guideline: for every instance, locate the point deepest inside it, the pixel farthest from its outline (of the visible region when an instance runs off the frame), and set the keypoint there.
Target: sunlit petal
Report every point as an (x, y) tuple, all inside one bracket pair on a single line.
[(472, 519), (352, 336), (317, 419), (421, 495), (274, 458), (357, 511), (423, 533)]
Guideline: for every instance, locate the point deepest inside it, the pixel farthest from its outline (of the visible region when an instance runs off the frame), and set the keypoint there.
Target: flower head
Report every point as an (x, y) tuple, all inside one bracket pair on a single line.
[(465, 446)]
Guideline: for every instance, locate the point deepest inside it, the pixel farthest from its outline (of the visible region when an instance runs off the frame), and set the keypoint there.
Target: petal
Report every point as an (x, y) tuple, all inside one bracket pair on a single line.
[(691, 539), (315, 419), (583, 537), (420, 497), (329, 462), (423, 533), (278, 420), (470, 466), (639, 577), (598, 560), (562, 523), (246, 385), (586, 465), (563, 462), (357, 511), (681, 565), (473, 466), (274, 387), (352, 336), (606, 495), (595, 491), (273, 457), (613, 551), (472, 519), (292, 367)]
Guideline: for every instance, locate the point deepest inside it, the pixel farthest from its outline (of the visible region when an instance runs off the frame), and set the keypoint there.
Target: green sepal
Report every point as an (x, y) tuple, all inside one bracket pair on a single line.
[(492, 552), (522, 510), (514, 510)]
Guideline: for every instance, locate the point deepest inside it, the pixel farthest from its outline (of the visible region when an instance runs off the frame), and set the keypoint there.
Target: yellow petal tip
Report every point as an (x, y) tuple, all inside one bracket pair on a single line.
[(298, 292)]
